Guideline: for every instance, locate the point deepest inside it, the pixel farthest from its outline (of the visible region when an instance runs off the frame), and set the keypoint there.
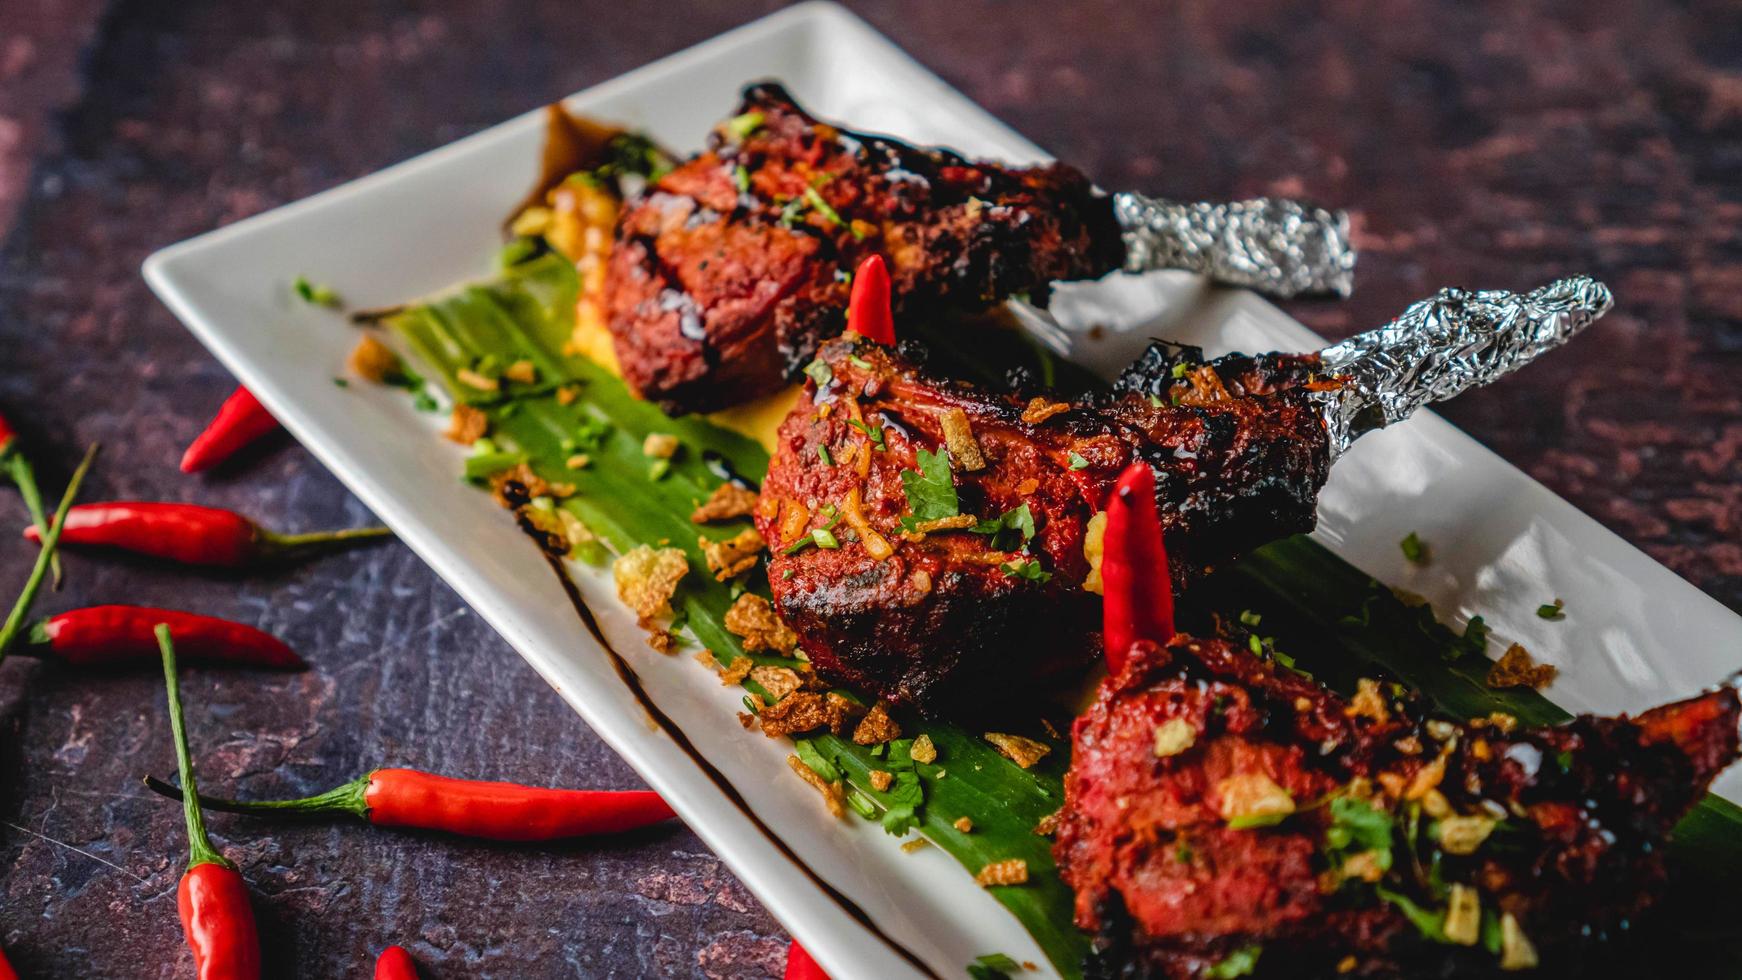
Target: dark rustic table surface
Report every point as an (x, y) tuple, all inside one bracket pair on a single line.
[(1477, 144)]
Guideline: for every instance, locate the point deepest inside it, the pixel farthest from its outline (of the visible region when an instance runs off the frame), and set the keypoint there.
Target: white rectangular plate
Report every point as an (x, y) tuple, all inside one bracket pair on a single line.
[(1635, 634)]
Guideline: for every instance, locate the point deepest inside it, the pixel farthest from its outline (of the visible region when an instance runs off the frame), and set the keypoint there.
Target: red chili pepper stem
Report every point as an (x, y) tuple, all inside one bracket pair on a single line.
[(17, 467), (212, 898), (1136, 587), (50, 544), (198, 843), (346, 800), (272, 546), (869, 310)]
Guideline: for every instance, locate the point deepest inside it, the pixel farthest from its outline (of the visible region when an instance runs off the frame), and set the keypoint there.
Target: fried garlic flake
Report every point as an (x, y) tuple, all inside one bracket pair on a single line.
[(752, 617), (646, 579)]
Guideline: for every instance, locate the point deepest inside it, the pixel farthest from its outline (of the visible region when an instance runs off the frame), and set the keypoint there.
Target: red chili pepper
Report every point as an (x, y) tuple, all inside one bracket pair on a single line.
[(465, 807), (6, 971), (194, 535), (119, 634), (395, 964), (213, 899), (14, 464), (869, 313), (241, 420), (800, 966), (1135, 583)]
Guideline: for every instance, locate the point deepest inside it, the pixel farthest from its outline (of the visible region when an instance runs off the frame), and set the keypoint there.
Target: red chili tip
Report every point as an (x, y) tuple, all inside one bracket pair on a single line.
[(1135, 581), (869, 313), (241, 420), (395, 964), (800, 966), (7, 434), (6, 972)]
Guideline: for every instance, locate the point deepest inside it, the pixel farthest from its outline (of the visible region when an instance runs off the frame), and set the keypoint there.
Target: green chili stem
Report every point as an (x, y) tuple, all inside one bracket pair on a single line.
[(200, 849), (24, 475), (273, 545), (346, 800), (44, 557)]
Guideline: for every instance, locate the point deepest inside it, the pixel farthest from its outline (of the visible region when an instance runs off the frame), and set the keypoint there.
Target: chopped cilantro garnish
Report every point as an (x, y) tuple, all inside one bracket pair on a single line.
[(1563, 760), (1005, 528), (313, 294), (1357, 827), (786, 575), (658, 469), (825, 538), (424, 403), (931, 490), (860, 363), (875, 435), (743, 125), (1183, 853), (1029, 570), (1551, 610), (741, 179), (818, 371), (1180, 370), (1154, 401), (1078, 462), (341, 383), (1240, 963), (1256, 645), (1414, 548), (823, 454), (1249, 619)]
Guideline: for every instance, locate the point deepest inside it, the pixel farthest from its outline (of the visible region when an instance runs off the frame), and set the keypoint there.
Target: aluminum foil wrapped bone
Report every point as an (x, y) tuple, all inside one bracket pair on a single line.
[(1457, 340), (1283, 248)]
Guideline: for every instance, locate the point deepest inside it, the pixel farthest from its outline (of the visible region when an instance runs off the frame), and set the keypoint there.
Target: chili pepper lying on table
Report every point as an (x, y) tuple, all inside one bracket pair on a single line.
[(6, 971), (1137, 596), (50, 545), (213, 899), (800, 966), (195, 535), (468, 808), (126, 634), (240, 422), (14, 464), (395, 964), (869, 313)]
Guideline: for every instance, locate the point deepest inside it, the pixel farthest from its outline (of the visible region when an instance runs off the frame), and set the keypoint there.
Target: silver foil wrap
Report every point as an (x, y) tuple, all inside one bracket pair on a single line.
[(1458, 340), (1278, 247)]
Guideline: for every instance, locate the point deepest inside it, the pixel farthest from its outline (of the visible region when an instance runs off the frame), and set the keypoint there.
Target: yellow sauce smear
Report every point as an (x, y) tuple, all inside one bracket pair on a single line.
[(578, 223)]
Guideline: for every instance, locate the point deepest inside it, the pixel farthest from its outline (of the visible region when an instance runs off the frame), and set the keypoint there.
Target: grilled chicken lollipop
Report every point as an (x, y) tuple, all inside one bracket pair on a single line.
[(730, 269), (933, 540), (1221, 808)]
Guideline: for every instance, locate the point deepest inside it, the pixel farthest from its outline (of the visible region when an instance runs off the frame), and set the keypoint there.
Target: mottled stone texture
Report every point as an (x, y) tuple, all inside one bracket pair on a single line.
[(1479, 144)]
